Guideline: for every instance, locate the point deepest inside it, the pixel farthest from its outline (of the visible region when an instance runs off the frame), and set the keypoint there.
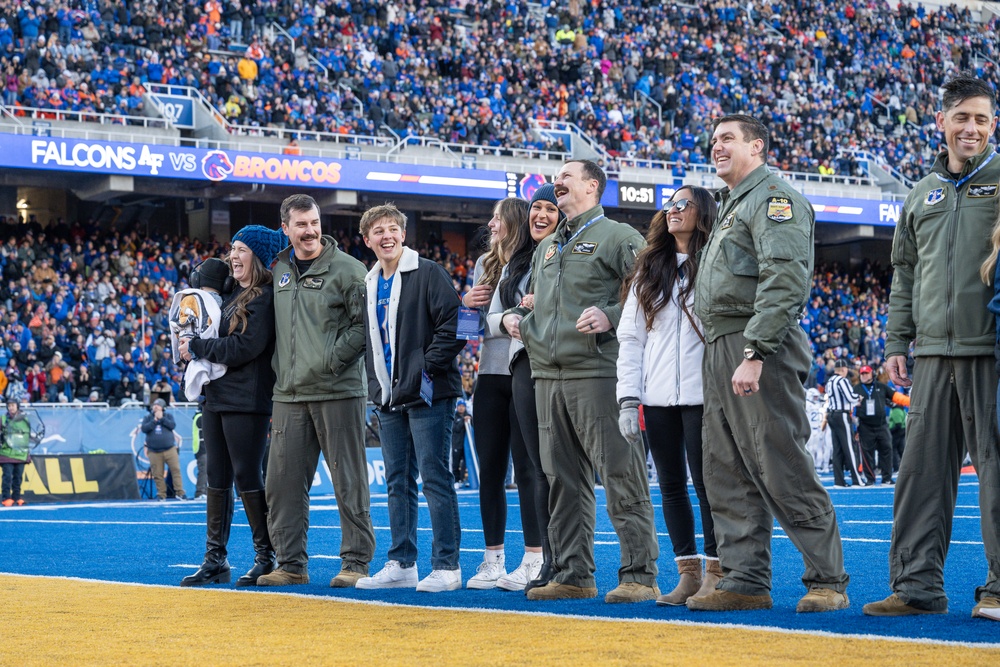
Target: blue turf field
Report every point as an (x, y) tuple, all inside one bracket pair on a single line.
[(158, 543)]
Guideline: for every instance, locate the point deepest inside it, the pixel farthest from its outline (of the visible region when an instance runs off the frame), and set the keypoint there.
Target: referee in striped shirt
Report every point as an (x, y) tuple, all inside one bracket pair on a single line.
[(840, 401)]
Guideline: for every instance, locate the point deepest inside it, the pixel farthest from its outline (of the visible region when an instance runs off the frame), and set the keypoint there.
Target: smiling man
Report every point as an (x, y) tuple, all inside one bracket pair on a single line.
[(319, 397), (411, 316), (942, 237), (573, 350), (758, 270)]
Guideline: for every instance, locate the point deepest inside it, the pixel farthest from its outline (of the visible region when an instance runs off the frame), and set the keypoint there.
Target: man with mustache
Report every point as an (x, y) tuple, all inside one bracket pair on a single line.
[(573, 350), (319, 397)]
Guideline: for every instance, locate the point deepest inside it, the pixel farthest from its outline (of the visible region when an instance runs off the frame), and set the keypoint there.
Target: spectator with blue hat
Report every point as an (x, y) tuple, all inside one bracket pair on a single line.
[(236, 414)]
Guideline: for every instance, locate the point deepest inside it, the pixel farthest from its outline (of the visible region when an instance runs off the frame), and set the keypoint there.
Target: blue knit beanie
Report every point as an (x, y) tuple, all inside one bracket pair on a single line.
[(547, 193), (265, 243)]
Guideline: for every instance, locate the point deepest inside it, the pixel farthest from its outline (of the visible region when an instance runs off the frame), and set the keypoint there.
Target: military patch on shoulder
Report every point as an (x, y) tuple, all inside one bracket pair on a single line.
[(779, 209), (550, 253), (934, 196), (284, 280), (727, 222), (312, 283), (983, 190), (584, 248)]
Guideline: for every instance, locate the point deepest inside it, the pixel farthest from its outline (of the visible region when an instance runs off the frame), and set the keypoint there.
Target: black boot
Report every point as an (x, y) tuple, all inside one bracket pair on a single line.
[(255, 507), (219, 519), (547, 572)]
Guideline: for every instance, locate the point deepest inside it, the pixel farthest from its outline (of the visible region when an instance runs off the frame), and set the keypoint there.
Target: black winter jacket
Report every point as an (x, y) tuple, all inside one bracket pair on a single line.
[(248, 383), (423, 320)]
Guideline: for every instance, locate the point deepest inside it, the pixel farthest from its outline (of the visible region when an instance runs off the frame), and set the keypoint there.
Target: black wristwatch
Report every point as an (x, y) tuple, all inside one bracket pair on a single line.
[(751, 354)]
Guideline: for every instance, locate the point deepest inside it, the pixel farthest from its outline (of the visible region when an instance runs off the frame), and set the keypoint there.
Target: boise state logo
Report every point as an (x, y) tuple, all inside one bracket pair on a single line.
[(529, 184), (216, 166)]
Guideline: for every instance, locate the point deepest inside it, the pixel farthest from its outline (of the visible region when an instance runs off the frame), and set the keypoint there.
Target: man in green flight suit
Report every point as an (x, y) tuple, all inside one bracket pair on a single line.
[(758, 269), (941, 240), (571, 342)]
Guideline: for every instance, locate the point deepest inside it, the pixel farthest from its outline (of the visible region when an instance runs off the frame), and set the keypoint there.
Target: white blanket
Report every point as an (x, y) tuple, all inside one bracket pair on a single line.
[(194, 313)]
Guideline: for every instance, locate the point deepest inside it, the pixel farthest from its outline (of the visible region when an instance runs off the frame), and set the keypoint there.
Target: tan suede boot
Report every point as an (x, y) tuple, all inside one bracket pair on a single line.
[(713, 574), (690, 571)]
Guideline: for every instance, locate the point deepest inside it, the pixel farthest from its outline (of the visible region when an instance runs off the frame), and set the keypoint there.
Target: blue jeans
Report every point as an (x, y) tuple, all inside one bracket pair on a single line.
[(419, 441)]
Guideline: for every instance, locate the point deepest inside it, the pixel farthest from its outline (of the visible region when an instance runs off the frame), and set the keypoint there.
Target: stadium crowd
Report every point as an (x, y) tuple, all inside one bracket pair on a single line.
[(72, 298), (827, 78)]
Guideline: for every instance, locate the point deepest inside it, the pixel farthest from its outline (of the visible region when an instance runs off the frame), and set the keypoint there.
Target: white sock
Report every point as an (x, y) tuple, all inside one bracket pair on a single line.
[(494, 556), (531, 557)]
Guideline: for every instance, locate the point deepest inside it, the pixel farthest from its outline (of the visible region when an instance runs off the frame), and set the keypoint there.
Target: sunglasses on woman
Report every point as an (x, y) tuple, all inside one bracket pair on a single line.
[(679, 204)]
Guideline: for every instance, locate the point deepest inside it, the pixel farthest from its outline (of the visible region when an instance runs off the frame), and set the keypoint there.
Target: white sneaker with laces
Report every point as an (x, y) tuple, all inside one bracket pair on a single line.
[(489, 571), (392, 575), (439, 581), (529, 568)]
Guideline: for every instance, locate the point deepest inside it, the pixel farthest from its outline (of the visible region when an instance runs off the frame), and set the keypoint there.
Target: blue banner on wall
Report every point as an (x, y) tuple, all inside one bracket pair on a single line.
[(231, 166), (116, 430)]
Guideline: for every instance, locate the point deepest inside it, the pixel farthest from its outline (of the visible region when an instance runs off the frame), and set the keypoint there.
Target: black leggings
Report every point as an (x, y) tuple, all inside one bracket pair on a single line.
[(234, 442), (672, 432), (498, 438), (523, 391)]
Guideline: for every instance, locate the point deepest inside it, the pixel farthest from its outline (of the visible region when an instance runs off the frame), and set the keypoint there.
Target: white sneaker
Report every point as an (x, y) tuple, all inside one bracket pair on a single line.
[(529, 568), (489, 571), (392, 575), (439, 581)]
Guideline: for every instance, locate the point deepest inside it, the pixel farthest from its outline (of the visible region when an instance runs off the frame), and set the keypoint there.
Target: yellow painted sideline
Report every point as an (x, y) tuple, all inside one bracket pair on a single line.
[(54, 622)]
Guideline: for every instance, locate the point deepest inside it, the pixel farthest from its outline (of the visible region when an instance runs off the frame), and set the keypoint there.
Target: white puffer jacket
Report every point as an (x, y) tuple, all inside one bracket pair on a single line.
[(660, 367)]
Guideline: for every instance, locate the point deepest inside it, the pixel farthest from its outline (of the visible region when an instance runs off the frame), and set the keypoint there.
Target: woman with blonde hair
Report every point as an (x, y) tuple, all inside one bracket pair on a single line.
[(497, 434), (515, 290)]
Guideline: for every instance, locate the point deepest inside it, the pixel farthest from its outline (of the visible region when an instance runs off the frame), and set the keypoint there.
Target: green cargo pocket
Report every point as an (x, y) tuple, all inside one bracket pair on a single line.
[(739, 261)]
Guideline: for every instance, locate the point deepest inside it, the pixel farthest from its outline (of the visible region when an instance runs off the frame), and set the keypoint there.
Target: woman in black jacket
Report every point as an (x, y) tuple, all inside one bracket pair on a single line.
[(237, 411)]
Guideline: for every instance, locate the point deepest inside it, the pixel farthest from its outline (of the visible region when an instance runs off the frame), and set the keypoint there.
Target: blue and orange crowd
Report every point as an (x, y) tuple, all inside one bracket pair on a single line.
[(826, 77), (73, 298)]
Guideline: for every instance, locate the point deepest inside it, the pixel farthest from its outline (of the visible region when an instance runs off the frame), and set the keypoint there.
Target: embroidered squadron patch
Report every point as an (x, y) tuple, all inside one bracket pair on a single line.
[(934, 196), (779, 209), (728, 221), (584, 248), (285, 279), (983, 190), (312, 283), (550, 253)]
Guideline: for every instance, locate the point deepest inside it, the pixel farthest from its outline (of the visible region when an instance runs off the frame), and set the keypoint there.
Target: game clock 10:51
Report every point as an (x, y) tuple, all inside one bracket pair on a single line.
[(636, 195)]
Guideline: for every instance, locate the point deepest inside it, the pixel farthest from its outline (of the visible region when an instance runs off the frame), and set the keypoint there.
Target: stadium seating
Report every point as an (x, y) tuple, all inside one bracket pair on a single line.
[(644, 80)]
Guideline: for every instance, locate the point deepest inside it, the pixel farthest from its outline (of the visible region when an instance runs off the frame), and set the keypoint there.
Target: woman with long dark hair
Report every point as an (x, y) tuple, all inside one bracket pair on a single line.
[(237, 412), (514, 289), (498, 436), (659, 367)]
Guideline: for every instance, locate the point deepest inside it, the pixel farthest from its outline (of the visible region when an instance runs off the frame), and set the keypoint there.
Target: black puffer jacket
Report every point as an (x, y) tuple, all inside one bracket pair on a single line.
[(248, 383)]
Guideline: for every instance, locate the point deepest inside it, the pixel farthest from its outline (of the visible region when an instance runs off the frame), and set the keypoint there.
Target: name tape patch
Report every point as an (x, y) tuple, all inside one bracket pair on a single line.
[(983, 189)]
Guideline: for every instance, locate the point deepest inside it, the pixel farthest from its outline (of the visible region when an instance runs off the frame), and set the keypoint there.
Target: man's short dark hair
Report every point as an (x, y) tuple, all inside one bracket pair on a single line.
[(296, 203), (964, 87), (751, 128), (593, 171)]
